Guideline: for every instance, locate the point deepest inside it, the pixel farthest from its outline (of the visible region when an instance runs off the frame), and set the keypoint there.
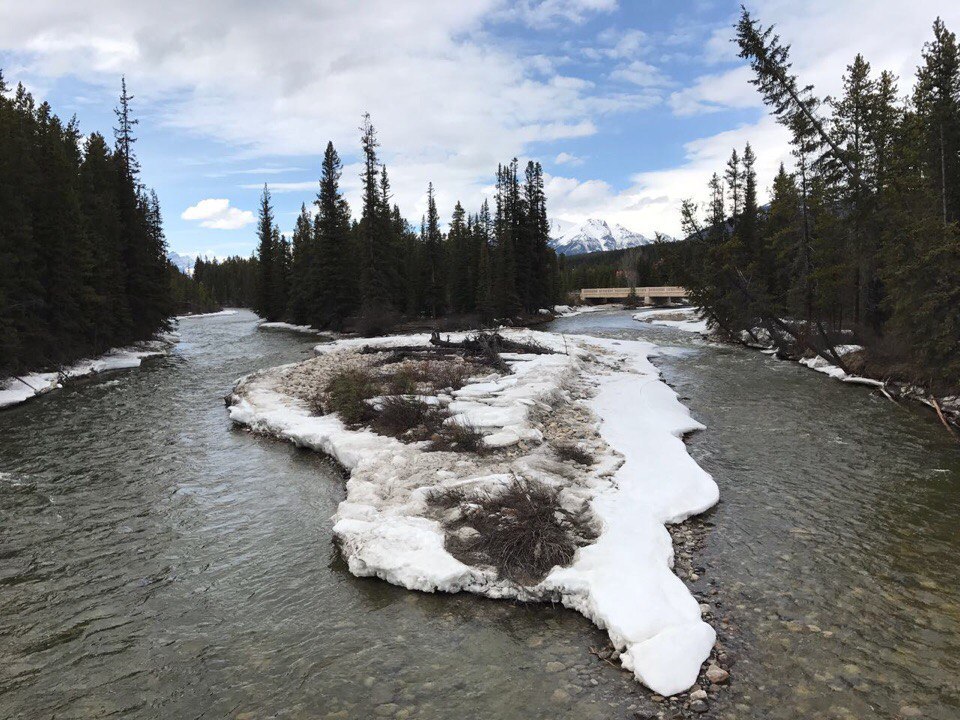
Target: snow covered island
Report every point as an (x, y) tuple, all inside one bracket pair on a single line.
[(544, 469)]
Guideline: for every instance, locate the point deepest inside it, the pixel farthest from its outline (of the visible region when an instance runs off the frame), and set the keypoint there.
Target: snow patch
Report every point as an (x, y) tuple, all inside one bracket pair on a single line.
[(685, 319), (205, 315), (306, 329)]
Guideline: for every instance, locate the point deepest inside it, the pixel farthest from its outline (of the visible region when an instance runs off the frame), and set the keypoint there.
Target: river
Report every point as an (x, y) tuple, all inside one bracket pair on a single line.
[(157, 562)]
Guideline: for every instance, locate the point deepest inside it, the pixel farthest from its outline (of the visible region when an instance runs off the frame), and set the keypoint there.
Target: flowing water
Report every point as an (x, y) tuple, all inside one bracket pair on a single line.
[(156, 562), (836, 542)]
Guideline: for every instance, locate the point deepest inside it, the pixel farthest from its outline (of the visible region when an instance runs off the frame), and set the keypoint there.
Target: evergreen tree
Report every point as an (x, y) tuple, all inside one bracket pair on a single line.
[(335, 287), (266, 299), (374, 245), (434, 285), (301, 267)]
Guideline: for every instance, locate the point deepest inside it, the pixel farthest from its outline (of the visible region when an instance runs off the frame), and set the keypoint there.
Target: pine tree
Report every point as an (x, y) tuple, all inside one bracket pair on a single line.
[(334, 283), (266, 258), (374, 246), (937, 100), (434, 285), (301, 267)]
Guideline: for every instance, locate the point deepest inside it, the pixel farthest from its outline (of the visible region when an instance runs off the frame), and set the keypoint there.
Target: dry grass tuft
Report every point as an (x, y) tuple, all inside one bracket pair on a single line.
[(569, 451), (455, 436), (406, 417), (522, 531)]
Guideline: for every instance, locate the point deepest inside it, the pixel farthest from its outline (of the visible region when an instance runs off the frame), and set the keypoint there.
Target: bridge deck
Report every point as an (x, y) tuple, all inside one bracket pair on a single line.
[(646, 294)]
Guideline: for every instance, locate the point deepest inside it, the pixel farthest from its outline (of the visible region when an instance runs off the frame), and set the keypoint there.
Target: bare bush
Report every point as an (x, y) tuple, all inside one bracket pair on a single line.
[(522, 531), (456, 436), (403, 416), (347, 393)]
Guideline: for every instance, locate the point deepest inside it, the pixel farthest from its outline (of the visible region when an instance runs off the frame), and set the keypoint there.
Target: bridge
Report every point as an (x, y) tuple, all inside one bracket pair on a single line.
[(649, 295)]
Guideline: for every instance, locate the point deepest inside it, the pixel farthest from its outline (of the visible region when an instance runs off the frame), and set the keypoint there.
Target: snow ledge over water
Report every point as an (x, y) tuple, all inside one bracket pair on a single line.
[(19, 389), (643, 479)]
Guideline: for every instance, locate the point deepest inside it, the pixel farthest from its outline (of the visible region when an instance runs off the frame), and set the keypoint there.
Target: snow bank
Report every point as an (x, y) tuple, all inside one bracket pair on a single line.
[(685, 319), (643, 479), (16, 390), (571, 310), (306, 329), (204, 315), (821, 365)]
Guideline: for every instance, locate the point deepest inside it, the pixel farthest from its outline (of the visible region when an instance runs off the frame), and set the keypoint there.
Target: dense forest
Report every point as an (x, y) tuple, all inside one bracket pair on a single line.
[(632, 267), (83, 263), (860, 242), (370, 271), (215, 284)]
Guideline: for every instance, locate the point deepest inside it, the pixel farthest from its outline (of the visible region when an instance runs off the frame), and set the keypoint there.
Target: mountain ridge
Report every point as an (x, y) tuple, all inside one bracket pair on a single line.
[(593, 235)]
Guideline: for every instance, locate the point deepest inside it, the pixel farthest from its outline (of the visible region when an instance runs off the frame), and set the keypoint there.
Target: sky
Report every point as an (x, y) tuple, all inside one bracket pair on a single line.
[(629, 105)]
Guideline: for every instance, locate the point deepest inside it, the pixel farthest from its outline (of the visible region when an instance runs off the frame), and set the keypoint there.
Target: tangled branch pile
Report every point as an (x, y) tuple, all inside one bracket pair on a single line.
[(522, 530)]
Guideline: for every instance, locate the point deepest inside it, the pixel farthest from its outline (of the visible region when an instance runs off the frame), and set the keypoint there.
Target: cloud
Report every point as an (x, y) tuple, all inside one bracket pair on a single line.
[(712, 93), (641, 73), (256, 171), (216, 213), (446, 96), (543, 14), (565, 158), (651, 203), (824, 37)]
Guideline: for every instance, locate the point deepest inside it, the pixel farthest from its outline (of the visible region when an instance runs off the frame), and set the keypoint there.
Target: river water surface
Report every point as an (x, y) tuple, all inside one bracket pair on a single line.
[(156, 562)]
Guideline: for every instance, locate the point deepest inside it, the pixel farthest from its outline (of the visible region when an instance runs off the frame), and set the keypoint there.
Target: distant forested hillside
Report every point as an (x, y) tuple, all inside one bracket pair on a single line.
[(82, 254), (637, 267)]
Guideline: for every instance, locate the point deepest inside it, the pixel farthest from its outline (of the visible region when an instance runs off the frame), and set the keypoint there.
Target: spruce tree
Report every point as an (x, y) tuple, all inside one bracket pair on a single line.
[(434, 285), (266, 259), (334, 281)]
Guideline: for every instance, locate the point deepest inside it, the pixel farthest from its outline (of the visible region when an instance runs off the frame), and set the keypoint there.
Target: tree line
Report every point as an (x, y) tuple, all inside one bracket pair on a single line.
[(334, 269), (860, 241), (83, 263)]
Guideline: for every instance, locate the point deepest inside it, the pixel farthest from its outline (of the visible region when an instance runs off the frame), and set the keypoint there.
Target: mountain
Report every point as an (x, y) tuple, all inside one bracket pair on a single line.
[(183, 262), (592, 236)]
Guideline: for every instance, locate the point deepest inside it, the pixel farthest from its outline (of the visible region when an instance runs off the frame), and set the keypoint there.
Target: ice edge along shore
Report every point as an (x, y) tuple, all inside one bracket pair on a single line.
[(643, 480)]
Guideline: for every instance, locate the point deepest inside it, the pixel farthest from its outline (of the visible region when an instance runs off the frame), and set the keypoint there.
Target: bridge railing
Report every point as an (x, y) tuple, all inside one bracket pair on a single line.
[(658, 291)]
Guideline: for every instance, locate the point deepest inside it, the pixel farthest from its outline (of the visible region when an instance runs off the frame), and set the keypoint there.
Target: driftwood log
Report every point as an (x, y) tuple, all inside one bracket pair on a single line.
[(483, 348)]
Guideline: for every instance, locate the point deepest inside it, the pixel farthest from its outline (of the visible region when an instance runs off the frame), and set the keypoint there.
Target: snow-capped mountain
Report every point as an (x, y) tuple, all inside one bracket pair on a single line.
[(592, 236), (183, 262)]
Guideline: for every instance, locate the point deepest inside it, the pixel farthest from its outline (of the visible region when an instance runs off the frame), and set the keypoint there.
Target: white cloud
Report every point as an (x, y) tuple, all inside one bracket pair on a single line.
[(548, 13), (281, 80), (641, 73), (216, 213), (824, 36), (565, 158), (712, 93), (652, 201)]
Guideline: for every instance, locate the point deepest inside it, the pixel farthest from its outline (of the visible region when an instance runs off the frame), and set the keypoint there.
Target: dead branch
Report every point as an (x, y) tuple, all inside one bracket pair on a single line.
[(943, 419)]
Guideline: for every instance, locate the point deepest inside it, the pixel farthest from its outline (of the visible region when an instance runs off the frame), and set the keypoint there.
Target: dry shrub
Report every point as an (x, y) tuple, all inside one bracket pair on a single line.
[(401, 416), (403, 381), (347, 393), (522, 530), (447, 374), (569, 451), (456, 436)]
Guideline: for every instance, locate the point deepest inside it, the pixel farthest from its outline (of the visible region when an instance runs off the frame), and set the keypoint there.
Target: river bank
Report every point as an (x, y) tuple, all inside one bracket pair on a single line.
[(858, 371), (629, 475), (20, 388)]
